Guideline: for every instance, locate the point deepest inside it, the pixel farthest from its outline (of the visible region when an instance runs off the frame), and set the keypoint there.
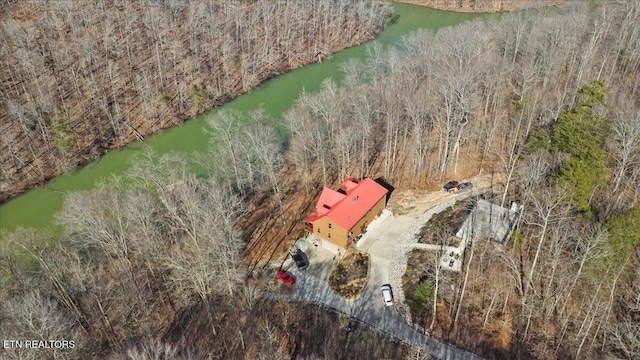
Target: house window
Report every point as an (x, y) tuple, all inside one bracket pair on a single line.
[(329, 235), (329, 225)]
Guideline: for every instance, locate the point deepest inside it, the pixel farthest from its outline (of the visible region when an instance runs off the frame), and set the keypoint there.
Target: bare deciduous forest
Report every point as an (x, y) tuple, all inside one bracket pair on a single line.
[(155, 267), (482, 5), (79, 78), (550, 100)]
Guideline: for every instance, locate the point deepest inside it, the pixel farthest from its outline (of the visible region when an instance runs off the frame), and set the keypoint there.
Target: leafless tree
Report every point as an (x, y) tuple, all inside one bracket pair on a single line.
[(225, 125), (625, 331), (265, 147), (549, 208), (457, 105), (157, 350), (36, 317), (624, 150), (202, 262)]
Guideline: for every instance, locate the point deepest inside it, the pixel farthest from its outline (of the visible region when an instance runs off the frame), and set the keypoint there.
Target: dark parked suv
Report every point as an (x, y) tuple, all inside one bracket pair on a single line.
[(300, 259), (451, 186), (465, 186)]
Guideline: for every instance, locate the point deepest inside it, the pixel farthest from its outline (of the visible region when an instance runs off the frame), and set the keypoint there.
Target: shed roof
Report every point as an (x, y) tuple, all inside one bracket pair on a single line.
[(490, 221)]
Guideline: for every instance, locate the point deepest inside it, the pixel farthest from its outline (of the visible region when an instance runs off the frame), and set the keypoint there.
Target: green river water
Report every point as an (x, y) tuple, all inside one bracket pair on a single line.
[(36, 208)]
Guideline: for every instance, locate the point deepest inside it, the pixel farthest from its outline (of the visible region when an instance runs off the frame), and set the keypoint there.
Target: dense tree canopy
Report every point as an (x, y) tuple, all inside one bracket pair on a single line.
[(578, 139)]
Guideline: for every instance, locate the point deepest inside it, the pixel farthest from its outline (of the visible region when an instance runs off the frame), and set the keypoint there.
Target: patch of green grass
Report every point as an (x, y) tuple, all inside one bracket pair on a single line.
[(423, 296)]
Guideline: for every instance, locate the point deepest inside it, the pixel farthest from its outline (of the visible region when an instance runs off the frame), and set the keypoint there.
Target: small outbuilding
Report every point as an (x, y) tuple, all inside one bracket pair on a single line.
[(486, 221), (489, 221), (342, 215)]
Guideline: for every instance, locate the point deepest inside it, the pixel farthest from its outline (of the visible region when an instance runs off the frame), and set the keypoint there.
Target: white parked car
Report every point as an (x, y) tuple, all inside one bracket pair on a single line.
[(387, 294)]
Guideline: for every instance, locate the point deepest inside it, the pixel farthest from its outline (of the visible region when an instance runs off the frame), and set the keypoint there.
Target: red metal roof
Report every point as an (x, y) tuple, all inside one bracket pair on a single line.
[(328, 199), (347, 210)]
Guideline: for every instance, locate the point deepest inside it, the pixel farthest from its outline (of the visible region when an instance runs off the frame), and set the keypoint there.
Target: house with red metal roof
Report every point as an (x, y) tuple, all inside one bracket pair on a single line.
[(342, 215)]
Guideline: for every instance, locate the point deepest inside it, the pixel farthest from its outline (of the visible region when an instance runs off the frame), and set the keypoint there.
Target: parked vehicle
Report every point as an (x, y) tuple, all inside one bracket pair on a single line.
[(301, 259), (286, 277), (451, 186), (465, 186), (387, 295)]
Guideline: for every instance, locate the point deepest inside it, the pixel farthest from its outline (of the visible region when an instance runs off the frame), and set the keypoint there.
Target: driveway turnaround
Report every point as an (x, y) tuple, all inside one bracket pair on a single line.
[(312, 286), (388, 240), (384, 243)]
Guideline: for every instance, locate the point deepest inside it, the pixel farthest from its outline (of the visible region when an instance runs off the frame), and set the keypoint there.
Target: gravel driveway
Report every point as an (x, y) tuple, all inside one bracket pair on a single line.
[(388, 240)]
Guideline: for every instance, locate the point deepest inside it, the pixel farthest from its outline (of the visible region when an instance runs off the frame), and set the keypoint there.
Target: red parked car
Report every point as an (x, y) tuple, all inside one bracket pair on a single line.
[(285, 277)]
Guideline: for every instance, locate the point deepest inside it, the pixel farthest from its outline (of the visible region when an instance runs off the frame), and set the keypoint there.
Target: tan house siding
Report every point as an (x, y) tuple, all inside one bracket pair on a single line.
[(368, 218), (339, 235), (342, 215), (328, 245), (322, 230)]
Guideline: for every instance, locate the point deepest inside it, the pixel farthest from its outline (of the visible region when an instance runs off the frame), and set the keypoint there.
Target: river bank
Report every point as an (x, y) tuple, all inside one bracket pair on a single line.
[(36, 208), (482, 6), (80, 81)]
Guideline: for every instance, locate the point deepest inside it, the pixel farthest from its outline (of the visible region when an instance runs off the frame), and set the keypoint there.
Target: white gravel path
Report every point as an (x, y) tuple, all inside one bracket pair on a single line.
[(389, 239)]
